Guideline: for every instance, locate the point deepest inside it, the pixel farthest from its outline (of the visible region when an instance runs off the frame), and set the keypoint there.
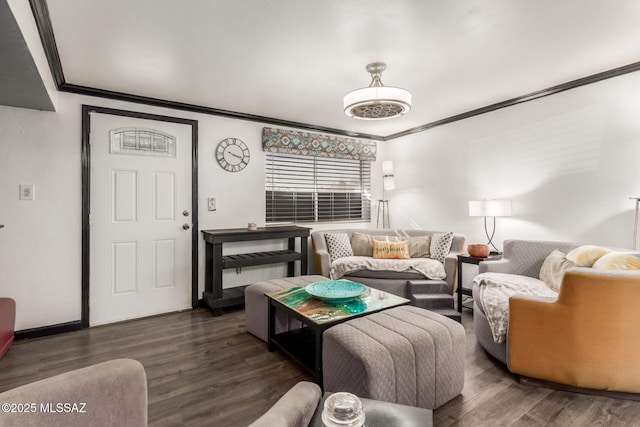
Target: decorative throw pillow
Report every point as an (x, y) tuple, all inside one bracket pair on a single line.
[(361, 244), (586, 256), (440, 245), (338, 245), (419, 247), (618, 261), (553, 269), (391, 250)]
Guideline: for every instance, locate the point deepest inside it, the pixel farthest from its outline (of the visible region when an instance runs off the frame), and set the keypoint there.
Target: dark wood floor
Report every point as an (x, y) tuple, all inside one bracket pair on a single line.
[(206, 371)]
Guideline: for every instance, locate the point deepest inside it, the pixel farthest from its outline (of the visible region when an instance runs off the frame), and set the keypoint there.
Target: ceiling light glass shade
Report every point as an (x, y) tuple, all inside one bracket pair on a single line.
[(377, 101), (490, 208)]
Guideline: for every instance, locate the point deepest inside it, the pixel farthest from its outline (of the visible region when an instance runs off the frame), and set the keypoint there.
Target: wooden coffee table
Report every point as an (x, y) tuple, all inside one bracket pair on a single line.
[(304, 345)]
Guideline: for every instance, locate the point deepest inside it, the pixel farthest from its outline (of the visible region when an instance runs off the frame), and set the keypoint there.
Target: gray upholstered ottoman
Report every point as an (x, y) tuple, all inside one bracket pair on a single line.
[(404, 355), (256, 306)]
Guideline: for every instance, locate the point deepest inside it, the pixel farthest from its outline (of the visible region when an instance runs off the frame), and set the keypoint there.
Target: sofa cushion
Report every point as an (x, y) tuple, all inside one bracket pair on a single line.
[(390, 250), (553, 269), (338, 245), (587, 255), (618, 261), (440, 245)]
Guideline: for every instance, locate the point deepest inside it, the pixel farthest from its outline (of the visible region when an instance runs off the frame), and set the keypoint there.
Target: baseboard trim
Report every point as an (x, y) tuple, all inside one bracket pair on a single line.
[(48, 330), (534, 382)]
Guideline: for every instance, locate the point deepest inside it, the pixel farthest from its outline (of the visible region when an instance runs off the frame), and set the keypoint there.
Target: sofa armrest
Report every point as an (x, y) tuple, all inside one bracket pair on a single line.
[(294, 409), (322, 261), (585, 338), (112, 393), (451, 270)]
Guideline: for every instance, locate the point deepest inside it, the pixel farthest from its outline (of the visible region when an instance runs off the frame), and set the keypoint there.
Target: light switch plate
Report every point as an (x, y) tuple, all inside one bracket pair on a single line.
[(211, 202), (27, 192)]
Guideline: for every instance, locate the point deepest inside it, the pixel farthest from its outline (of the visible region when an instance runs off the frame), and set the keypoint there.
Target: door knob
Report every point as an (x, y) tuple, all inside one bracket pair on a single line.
[(186, 226), (185, 213)]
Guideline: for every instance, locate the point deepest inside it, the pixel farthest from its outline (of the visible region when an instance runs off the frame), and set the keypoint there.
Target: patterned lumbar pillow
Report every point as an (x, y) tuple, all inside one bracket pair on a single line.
[(553, 269), (586, 256), (390, 250), (338, 245), (441, 245), (618, 261)]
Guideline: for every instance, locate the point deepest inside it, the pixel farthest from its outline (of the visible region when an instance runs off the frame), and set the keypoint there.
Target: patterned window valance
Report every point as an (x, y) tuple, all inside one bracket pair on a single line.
[(316, 144)]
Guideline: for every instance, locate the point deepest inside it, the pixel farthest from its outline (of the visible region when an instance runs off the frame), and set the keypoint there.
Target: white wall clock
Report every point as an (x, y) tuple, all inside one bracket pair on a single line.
[(232, 154)]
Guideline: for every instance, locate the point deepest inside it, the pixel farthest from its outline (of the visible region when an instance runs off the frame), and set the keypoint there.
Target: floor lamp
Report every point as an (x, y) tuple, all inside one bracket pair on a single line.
[(490, 208), (388, 183)]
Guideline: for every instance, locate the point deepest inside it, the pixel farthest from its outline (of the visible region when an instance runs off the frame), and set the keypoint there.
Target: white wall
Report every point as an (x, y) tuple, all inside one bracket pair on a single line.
[(40, 246), (569, 162)]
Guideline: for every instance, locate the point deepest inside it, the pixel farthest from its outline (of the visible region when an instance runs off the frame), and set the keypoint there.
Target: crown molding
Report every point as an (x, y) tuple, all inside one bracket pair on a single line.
[(45, 28)]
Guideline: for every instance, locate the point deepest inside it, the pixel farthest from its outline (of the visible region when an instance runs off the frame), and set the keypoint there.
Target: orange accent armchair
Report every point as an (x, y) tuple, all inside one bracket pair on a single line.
[(588, 338)]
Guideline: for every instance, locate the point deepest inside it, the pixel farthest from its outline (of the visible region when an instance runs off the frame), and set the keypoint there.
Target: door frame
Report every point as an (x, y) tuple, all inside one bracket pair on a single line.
[(86, 196)]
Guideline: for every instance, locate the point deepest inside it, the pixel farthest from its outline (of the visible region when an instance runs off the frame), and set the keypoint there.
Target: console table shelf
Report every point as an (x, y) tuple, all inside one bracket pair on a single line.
[(259, 258), (214, 295)]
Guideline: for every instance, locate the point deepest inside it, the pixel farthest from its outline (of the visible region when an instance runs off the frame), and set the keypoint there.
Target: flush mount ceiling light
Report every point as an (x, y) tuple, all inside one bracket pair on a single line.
[(377, 101)]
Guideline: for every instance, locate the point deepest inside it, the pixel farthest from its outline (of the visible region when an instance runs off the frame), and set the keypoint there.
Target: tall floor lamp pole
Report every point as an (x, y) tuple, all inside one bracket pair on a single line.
[(635, 222), (388, 183)]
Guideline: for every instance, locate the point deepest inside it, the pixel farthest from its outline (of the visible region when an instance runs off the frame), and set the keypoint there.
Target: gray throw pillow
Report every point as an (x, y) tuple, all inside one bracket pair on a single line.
[(361, 244), (338, 245), (419, 247), (441, 245), (553, 269)]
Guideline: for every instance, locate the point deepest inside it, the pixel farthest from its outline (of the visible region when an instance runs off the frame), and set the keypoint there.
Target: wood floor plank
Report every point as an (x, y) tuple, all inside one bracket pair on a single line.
[(208, 371)]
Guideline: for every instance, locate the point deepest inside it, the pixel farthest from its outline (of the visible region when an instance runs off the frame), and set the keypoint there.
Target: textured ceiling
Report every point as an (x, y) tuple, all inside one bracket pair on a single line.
[(295, 59)]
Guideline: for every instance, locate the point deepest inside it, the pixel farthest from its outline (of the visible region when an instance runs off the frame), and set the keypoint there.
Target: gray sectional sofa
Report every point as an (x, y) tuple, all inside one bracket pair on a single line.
[(388, 281), (582, 338)]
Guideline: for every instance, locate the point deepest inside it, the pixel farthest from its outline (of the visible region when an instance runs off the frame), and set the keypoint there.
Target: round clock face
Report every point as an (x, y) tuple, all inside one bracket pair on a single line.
[(232, 154)]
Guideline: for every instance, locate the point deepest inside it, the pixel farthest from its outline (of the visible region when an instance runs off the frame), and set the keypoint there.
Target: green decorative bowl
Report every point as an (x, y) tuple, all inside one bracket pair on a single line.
[(336, 291)]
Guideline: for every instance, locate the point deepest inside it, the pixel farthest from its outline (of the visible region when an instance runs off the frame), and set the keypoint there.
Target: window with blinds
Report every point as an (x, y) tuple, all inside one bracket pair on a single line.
[(317, 189)]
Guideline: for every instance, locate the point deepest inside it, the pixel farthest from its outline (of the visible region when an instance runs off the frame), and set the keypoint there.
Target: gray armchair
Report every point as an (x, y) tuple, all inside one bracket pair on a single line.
[(112, 393), (294, 409)]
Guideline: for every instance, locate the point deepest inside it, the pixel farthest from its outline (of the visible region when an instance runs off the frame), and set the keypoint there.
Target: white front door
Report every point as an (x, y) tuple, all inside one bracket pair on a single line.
[(140, 250)]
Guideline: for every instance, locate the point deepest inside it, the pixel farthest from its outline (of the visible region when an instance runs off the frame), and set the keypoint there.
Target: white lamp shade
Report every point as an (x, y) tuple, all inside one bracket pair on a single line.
[(387, 167), (490, 208)]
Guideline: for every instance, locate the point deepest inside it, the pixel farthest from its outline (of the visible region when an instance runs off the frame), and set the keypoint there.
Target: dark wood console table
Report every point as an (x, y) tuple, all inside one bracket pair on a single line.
[(214, 295)]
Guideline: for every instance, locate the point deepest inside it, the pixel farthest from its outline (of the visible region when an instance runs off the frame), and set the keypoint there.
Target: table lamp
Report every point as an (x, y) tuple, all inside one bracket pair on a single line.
[(490, 208)]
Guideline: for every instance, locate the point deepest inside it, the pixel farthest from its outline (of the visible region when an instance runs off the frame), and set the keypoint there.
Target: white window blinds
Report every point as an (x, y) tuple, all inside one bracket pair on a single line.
[(316, 189)]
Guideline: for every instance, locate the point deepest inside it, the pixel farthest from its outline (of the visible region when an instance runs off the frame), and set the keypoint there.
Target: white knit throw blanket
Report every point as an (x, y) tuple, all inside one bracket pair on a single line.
[(427, 267), (495, 291)]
